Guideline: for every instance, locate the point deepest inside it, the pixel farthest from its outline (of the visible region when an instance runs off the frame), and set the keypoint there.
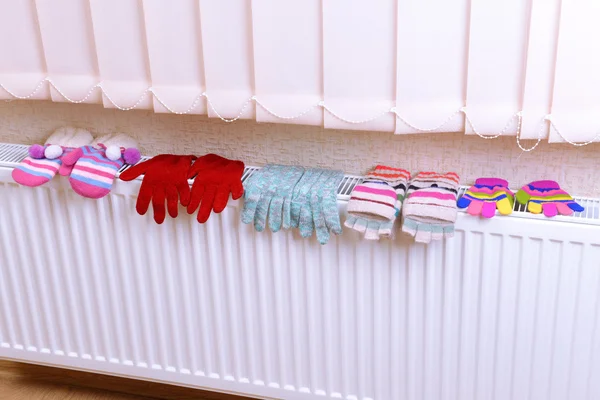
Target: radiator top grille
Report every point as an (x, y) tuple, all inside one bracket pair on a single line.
[(12, 154)]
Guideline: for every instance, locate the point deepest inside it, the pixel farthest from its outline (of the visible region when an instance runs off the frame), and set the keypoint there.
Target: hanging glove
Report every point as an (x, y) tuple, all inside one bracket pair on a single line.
[(216, 179), (269, 191), (323, 202), (165, 177), (547, 197), (485, 196), (314, 204), (376, 202), (301, 213)]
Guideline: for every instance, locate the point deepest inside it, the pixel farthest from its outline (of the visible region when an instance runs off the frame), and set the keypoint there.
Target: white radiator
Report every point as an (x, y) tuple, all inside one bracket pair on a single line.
[(508, 309)]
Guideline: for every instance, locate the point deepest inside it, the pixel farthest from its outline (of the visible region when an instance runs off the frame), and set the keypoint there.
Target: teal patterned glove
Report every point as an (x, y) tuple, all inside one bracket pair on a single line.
[(269, 191), (324, 203), (322, 215), (301, 209)]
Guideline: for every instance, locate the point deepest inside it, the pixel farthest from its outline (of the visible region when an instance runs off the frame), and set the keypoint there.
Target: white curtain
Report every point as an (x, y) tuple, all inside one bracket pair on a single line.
[(288, 60), (121, 47), (68, 41), (22, 61), (402, 66), (576, 102), (431, 65), (173, 35)]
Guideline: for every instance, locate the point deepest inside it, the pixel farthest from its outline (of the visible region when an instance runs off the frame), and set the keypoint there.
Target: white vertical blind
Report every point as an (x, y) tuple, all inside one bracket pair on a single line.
[(359, 62), (346, 64), (576, 102), (122, 52), (22, 64), (70, 53), (288, 59), (541, 62), (431, 79), (497, 48), (175, 54), (228, 59)]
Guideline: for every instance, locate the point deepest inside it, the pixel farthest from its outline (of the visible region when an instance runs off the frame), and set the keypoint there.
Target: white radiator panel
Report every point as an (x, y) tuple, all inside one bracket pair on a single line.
[(508, 309)]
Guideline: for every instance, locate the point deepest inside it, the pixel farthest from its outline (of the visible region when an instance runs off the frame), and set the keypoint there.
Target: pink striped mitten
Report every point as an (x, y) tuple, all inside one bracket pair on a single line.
[(95, 168), (45, 161), (429, 210)]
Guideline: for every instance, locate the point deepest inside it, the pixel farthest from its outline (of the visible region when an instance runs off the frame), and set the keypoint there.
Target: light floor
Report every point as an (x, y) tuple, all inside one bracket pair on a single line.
[(33, 382)]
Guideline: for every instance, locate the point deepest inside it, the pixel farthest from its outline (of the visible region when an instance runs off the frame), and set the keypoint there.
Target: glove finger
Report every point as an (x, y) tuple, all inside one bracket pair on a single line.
[(250, 203), (350, 221), (475, 207), (319, 220), (144, 197), (207, 204), (184, 192), (133, 172), (504, 206), (423, 234), (260, 215), (488, 209), (172, 200), (463, 202), (449, 231), (65, 170), (158, 204), (550, 209), (437, 232), (275, 214), (195, 197), (221, 199), (287, 214), (305, 222), (237, 190), (372, 232), (360, 225), (295, 208), (535, 208), (522, 196), (386, 229), (576, 207), (332, 216), (564, 209)]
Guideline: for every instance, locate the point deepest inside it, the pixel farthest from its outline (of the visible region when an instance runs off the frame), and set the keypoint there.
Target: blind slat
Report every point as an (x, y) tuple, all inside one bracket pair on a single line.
[(431, 78), (70, 53), (359, 68), (576, 101), (228, 66), (541, 62), (287, 59), (122, 52), (175, 54), (22, 65), (496, 66)]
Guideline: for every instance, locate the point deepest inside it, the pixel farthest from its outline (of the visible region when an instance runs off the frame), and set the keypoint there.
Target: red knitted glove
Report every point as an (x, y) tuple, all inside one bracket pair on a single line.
[(216, 179), (165, 177)]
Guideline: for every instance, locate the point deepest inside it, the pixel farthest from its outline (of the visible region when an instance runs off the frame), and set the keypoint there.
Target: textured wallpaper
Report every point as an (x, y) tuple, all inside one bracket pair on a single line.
[(352, 151)]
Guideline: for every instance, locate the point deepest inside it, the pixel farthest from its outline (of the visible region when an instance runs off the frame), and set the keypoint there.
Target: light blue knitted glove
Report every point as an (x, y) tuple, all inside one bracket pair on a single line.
[(323, 203), (301, 209), (269, 191), (372, 228)]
